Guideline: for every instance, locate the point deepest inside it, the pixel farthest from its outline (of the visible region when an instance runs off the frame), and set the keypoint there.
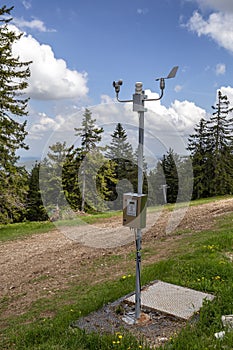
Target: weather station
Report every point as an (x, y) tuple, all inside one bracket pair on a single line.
[(134, 204), (157, 296)]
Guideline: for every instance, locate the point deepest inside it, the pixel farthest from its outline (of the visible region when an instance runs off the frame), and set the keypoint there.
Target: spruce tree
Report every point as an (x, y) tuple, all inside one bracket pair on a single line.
[(90, 134), (211, 152), (220, 134), (35, 208), (121, 155), (156, 181), (119, 148), (92, 183), (170, 165), (13, 80), (51, 177), (199, 145), (70, 179)]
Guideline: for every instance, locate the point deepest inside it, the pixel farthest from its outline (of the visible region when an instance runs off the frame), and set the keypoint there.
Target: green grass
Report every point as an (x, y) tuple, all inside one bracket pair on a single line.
[(13, 231), (209, 200), (200, 262), (20, 230), (33, 330), (93, 218), (196, 202)]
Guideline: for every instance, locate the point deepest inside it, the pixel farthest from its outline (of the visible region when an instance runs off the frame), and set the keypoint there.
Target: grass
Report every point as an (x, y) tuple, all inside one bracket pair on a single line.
[(200, 262), (33, 330), (14, 231), (21, 230)]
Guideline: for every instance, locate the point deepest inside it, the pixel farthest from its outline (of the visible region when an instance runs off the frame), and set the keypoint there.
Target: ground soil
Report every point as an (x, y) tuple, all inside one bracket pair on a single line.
[(43, 264)]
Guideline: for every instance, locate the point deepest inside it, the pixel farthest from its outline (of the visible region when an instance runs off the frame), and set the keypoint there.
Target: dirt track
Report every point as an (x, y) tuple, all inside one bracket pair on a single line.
[(42, 264)]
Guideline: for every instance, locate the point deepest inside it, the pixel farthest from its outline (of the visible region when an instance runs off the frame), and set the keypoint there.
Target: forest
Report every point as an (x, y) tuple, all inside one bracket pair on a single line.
[(91, 177)]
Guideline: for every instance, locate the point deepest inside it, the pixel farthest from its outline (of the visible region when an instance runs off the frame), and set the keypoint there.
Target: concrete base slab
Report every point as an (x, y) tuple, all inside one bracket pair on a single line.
[(171, 299)]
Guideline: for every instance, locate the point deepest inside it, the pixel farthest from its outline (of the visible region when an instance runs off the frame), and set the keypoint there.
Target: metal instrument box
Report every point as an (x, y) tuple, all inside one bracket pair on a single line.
[(134, 210)]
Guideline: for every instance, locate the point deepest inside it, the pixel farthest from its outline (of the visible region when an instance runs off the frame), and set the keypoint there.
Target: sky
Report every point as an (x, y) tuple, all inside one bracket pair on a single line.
[(79, 48)]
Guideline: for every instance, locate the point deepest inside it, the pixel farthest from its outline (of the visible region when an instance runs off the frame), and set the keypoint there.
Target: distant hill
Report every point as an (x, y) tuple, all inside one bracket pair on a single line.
[(28, 162)]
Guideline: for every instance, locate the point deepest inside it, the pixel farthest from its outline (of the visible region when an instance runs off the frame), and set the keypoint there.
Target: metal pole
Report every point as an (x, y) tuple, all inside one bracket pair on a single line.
[(139, 231), (140, 150)]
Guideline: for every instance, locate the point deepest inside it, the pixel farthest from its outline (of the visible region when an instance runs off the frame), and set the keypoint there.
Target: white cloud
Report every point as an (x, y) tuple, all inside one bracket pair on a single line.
[(169, 125), (219, 27), (185, 115), (27, 4), (45, 123), (227, 90), (142, 11), (220, 69), (50, 79), (219, 5), (42, 124), (182, 115), (33, 24), (178, 88), (165, 127)]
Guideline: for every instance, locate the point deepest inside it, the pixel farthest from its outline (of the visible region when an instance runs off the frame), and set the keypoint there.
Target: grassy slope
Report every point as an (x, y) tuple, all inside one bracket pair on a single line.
[(187, 267), (20, 230)]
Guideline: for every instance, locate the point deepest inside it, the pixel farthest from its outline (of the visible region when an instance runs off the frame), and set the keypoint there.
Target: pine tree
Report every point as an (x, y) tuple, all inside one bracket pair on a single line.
[(120, 149), (90, 134), (98, 174), (35, 208), (70, 178), (220, 133), (156, 181), (170, 164), (199, 145), (121, 155), (13, 80), (13, 186), (51, 185), (185, 175), (211, 152), (91, 159)]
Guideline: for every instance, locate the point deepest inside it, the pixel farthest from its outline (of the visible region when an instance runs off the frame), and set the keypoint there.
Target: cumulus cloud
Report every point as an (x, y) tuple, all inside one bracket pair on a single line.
[(220, 69), (45, 123), (185, 115), (219, 27), (219, 5), (42, 125), (227, 90), (33, 24), (165, 127), (50, 79)]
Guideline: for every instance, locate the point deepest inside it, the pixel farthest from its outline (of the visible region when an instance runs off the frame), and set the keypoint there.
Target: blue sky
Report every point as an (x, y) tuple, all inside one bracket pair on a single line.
[(79, 47)]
